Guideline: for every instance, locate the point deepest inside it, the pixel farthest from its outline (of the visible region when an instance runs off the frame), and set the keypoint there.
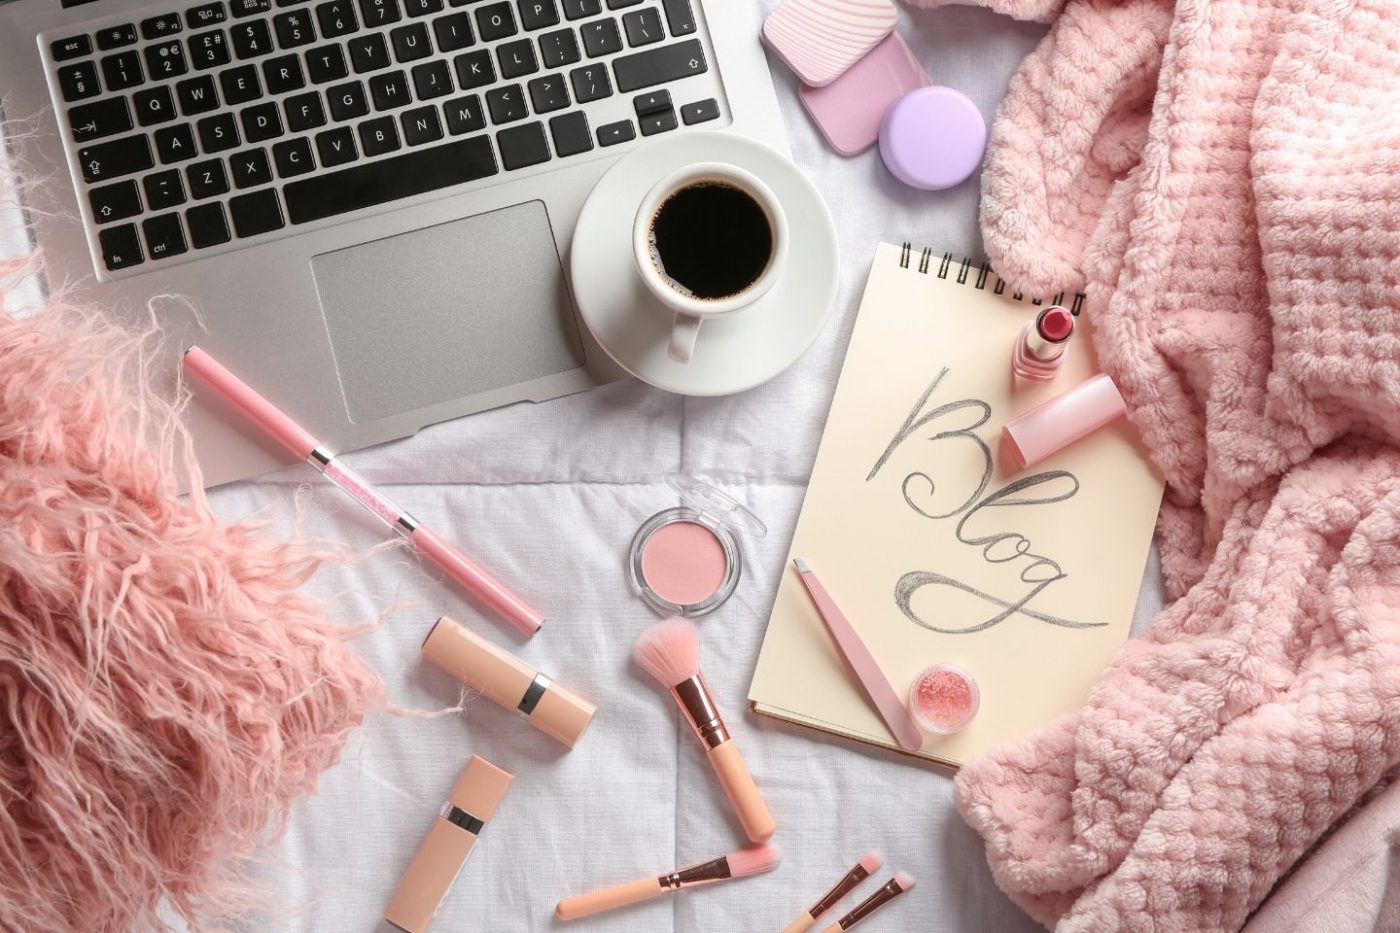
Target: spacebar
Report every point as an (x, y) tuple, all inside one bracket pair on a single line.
[(389, 179)]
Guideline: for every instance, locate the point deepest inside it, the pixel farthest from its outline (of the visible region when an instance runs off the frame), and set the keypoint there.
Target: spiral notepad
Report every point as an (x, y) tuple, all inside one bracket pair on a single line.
[(935, 547)]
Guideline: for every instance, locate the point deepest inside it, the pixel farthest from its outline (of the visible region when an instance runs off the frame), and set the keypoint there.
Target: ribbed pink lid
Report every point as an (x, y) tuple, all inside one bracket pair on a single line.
[(1064, 419)]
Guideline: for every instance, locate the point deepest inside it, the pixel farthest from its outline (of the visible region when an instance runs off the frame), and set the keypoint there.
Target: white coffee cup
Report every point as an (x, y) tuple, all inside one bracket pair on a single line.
[(689, 310)]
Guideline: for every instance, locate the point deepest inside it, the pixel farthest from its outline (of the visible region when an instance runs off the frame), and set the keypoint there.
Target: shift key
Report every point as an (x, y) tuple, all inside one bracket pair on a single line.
[(659, 65), (116, 158)]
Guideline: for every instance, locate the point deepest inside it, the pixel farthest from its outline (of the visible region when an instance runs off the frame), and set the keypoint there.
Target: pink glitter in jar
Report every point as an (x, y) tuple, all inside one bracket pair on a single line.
[(943, 699)]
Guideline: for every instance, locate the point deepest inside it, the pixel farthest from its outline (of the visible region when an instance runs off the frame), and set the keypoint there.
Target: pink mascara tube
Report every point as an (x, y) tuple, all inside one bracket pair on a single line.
[(303, 446)]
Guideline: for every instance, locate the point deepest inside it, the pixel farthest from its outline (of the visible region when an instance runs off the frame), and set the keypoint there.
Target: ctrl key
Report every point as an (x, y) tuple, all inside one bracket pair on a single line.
[(121, 247)]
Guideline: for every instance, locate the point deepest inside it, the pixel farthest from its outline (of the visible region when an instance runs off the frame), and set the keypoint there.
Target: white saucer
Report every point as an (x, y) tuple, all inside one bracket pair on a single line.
[(733, 353)]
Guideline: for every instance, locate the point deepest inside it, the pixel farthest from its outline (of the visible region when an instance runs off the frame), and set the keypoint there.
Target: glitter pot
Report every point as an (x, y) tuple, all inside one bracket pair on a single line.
[(943, 699)]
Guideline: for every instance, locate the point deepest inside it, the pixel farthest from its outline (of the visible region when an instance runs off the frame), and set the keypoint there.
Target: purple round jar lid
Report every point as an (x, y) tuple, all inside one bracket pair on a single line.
[(933, 138)]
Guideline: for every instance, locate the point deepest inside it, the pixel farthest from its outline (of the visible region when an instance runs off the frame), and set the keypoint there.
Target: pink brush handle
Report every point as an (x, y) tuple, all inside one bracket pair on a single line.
[(867, 669), (595, 902), (478, 582), (801, 925), (743, 793), (255, 408)]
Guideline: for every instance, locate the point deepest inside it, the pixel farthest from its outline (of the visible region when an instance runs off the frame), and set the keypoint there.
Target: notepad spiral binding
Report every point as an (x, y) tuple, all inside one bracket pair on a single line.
[(985, 272)]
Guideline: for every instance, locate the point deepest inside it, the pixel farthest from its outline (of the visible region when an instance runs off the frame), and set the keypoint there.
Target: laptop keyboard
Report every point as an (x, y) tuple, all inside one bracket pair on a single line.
[(227, 123)]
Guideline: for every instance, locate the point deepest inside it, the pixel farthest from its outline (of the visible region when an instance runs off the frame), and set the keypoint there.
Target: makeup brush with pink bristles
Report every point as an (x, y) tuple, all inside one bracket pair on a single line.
[(741, 864), (670, 652), (867, 866), (888, 891)]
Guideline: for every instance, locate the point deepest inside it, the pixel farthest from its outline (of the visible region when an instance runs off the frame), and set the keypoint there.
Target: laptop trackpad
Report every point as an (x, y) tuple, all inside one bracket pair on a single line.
[(448, 311)]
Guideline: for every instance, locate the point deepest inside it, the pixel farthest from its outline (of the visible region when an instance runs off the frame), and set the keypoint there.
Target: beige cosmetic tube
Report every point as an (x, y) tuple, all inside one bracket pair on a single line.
[(508, 681)]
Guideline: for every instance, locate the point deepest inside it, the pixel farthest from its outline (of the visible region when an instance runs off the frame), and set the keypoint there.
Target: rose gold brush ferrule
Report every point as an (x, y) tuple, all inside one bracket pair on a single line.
[(705, 873), (694, 698), (838, 894), (874, 902)]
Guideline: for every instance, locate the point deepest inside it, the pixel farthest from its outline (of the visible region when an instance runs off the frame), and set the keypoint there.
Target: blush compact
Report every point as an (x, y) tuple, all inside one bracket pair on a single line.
[(686, 560)]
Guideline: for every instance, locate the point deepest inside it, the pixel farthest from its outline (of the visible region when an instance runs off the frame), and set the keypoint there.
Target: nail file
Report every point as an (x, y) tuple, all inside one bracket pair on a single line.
[(820, 39)]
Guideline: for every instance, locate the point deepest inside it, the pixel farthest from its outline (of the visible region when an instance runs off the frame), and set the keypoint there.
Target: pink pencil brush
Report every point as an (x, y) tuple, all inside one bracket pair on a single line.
[(741, 864), (869, 863)]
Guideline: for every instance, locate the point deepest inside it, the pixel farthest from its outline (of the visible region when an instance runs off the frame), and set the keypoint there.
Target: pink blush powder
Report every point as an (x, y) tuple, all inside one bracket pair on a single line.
[(683, 562), (943, 699)]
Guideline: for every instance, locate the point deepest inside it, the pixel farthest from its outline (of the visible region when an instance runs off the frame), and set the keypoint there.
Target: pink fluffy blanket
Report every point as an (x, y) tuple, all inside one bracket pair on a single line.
[(1223, 176)]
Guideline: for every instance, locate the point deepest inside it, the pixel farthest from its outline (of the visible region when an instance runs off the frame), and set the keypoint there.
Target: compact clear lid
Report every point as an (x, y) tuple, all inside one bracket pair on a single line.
[(709, 501)]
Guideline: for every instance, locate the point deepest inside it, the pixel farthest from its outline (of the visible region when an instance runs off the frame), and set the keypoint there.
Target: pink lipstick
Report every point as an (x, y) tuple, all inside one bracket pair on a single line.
[(1043, 344)]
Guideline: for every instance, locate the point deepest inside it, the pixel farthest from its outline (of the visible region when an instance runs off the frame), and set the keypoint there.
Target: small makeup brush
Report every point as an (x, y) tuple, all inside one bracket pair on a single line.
[(888, 892), (869, 863), (741, 864), (670, 652)]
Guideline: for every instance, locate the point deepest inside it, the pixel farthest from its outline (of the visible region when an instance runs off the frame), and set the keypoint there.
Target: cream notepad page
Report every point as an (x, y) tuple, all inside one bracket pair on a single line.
[(934, 546)]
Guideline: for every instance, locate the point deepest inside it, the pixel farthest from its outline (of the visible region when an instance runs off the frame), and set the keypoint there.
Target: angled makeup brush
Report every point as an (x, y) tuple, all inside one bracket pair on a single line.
[(670, 652), (888, 892), (869, 863), (741, 864)]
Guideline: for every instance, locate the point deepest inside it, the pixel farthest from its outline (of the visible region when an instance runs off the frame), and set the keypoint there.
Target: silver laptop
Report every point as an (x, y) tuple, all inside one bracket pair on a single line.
[(366, 203)]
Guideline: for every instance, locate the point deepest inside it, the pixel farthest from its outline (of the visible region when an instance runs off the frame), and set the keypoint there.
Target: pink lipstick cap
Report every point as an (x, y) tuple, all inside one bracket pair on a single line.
[(1053, 426)]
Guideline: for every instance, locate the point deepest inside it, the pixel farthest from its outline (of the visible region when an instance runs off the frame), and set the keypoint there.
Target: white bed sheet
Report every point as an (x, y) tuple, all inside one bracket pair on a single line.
[(549, 496)]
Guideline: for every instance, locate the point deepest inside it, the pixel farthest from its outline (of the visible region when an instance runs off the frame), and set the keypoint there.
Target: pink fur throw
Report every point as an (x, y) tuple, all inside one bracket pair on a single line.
[(1223, 176), (165, 692)]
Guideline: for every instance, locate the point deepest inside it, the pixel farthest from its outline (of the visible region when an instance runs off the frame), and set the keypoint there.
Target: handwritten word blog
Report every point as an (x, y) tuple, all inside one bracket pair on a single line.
[(956, 422)]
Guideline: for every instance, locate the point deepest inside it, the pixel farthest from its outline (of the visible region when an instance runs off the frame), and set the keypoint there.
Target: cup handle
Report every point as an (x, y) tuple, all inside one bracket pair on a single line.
[(683, 333)]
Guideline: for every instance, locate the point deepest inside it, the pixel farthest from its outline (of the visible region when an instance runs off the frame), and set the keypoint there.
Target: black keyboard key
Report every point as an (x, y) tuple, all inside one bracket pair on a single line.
[(432, 80), (369, 53), (294, 29), (261, 122), (304, 112), (101, 118), (251, 39), (421, 126), (166, 60), (537, 14), (337, 18), (614, 133), (655, 102), (379, 136), (121, 247), (548, 94), (453, 31), (78, 81), (348, 101), (154, 105), (158, 27), (197, 95), (700, 111), (571, 133), (659, 65), (517, 58), (579, 9), (114, 159), (114, 37), (410, 42), (415, 172), (559, 48), (218, 133), (250, 168), (164, 236), (164, 190), (209, 49), (643, 27), (590, 82), (523, 146), (206, 14), (496, 21), (208, 225), (507, 104), (122, 71), (654, 123), (114, 202), (293, 157), (72, 47), (464, 115), (380, 12), (619, 4), (207, 179), (336, 147), (475, 69), (283, 74), (259, 212), (679, 17), (390, 90), (422, 7), (175, 143), (601, 37), (326, 63), (249, 7), (240, 85)]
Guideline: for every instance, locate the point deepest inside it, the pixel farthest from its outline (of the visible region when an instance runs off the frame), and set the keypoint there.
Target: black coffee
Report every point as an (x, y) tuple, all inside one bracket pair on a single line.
[(711, 239)]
